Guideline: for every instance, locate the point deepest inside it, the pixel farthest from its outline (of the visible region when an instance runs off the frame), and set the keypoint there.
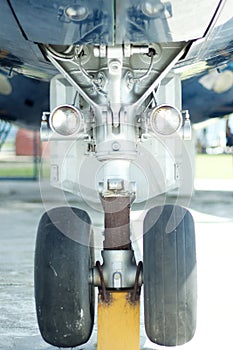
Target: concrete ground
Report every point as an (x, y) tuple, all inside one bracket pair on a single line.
[(20, 211)]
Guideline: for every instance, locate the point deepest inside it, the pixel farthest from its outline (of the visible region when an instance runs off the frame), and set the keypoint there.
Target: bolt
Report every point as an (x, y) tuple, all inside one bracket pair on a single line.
[(116, 146), (117, 276), (115, 67), (117, 280)]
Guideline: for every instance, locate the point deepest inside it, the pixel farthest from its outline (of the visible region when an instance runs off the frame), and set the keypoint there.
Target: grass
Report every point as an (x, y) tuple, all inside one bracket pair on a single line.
[(207, 167), (20, 172), (22, 169)]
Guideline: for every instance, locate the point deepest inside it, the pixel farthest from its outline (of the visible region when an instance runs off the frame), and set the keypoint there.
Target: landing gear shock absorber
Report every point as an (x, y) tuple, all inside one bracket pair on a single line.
[(119, 276)]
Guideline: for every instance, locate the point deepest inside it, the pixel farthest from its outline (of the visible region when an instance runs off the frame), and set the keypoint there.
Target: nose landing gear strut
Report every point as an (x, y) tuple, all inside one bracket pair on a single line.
[(120, 278)]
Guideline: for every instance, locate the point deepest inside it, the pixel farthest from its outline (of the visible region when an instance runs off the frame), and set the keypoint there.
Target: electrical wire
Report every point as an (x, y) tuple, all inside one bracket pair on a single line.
[(144, 76), (74, 56)]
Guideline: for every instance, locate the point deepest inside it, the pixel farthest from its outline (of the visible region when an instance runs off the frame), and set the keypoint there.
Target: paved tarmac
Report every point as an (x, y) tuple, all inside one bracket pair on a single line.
[(20, 211)]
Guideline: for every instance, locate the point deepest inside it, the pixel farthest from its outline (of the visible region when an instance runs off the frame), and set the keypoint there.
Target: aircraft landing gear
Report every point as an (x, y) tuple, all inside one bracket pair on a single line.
[(113, 132), (65, 277)]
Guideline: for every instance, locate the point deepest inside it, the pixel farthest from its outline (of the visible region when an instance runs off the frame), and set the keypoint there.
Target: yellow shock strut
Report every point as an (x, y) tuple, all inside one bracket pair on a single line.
[(119, 303), (118, 322)]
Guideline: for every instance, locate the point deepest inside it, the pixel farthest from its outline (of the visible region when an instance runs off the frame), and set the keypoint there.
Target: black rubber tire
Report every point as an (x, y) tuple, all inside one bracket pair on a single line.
[(169, 275), (64, 298)]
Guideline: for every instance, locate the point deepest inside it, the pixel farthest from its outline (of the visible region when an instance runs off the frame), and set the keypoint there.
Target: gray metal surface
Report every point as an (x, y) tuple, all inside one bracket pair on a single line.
[(20, 209), (114, 21)]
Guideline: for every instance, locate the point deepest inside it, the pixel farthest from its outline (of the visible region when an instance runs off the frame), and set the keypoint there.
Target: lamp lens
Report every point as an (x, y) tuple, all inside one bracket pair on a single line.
[(166, 120), (65, 120)]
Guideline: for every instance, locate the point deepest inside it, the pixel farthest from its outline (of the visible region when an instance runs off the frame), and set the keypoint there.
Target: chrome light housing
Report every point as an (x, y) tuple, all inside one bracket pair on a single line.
[(77, 13), (65, 120), (165, 120)]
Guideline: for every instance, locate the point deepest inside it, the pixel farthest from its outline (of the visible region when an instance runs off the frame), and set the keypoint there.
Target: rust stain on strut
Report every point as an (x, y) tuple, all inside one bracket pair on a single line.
[(117, 222)]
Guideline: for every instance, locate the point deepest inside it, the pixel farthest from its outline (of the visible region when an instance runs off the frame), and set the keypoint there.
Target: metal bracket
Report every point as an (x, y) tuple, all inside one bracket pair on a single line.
[(119, 271)]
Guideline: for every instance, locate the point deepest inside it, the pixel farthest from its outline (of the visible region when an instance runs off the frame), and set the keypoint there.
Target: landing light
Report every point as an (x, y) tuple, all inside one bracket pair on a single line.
[(152, 9), (65, 120), (165, 120), (77, 13)]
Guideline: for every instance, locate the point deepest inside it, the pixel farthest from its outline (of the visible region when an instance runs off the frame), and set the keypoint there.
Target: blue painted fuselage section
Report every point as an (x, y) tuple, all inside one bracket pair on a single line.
[(202, 98)]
